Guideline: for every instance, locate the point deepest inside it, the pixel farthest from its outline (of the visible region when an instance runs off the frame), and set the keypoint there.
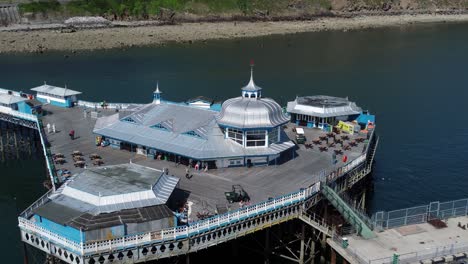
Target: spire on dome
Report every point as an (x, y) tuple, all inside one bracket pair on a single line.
[(157, 94), (251, 90), (157, 88), (251, 72)]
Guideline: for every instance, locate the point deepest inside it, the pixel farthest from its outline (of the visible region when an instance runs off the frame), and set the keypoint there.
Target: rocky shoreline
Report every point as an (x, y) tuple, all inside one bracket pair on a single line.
[(44, 37)]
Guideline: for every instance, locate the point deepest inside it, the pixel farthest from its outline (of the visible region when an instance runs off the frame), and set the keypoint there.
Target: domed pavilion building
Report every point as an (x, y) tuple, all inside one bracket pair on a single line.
[(250, 120), (246, 131)]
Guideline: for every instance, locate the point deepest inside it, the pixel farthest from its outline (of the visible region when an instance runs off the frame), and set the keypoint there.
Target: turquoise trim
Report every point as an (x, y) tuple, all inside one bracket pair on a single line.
[(63, 230)]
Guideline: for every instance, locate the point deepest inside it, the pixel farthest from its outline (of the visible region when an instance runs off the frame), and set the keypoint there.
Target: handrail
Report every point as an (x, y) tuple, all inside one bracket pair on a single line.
[(14, 113), (38, 122), (27, 212), (120, 106), (47, 154)]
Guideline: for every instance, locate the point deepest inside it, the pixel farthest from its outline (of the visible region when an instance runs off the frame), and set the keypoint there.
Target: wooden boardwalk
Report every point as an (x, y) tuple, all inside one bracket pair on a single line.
[(205, 189)]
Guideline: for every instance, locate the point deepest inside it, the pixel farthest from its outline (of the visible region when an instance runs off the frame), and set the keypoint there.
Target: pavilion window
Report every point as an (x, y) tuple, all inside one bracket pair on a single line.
[(255, 138), (273, 136), (235, 135)]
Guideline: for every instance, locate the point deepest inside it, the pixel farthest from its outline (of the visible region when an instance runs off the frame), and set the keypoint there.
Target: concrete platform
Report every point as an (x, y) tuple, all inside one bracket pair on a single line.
[(413, 243), (205, 189)]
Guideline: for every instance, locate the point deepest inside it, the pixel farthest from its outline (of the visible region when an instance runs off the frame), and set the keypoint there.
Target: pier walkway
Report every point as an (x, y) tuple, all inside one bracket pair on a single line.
[(433, 233)]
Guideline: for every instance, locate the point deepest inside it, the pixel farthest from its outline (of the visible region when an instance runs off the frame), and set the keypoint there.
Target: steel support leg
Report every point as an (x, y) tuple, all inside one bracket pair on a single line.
[(333, 256), (302, 252), (267, 249)]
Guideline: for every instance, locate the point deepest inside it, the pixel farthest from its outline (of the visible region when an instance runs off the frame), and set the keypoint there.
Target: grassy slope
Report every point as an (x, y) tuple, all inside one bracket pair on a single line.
[(138, 9)]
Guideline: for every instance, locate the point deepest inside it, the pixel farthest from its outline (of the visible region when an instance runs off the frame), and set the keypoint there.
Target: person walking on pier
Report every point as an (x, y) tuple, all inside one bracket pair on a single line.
[(53, 128), (72, 134), (48, 127)]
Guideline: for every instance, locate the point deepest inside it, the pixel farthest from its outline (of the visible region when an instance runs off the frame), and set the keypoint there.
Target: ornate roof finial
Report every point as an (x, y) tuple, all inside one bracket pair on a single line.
[(157, 94), (157, 88), (251, 70), (251, 90)]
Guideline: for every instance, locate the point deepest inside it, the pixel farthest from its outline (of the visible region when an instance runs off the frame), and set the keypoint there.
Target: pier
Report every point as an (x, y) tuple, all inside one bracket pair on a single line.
[(301, 171)]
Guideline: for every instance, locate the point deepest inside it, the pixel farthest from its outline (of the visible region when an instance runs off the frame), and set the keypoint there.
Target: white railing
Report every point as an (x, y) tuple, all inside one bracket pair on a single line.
[(98, 105), (204, 225), (44, 198), (30, 227), (14, 113), (35, 119), (48, 159), (334, 174), (410, 257), (425, 254)]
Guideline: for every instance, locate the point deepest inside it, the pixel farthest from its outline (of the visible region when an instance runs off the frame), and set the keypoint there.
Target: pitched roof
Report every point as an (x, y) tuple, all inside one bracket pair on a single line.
[(11, 99), (54, 90)]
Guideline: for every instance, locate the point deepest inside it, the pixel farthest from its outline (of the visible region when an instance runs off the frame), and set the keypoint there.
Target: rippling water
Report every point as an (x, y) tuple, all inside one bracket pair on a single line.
[(413, 78)]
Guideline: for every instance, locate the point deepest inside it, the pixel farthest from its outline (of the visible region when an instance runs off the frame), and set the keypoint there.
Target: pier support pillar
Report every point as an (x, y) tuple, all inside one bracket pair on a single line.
[(302, 252), (235, 247), (50, 259), (312, 251), (187, 258), (333, 256), (25, 254), (363, 199), (16, 145), (267, 249)]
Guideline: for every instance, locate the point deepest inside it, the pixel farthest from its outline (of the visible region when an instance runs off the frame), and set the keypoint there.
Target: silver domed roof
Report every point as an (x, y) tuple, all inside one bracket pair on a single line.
[(244, 113)]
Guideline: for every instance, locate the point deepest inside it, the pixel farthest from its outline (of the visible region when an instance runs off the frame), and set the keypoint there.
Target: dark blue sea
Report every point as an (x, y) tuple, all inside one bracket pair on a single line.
[(414, 78)]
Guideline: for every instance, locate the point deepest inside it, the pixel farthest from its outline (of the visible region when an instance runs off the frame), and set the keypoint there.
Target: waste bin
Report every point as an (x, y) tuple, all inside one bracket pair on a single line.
[(344, 242)]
